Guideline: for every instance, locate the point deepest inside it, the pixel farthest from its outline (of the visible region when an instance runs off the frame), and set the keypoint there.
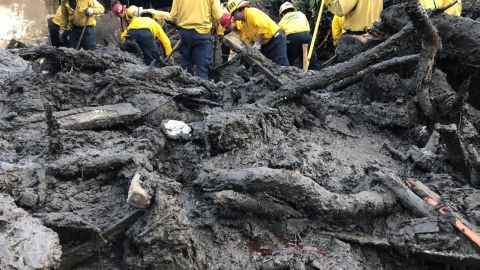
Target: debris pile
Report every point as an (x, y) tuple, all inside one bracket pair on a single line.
[(122, 165)]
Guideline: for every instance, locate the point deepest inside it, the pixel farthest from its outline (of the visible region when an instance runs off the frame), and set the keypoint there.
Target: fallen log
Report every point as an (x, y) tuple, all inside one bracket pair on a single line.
[(401, 191), (254, 58), (249, 204), (385, 65), (99, 117), (300, 192), (87, 166), (434, 199), (431, 45), (339, 71)]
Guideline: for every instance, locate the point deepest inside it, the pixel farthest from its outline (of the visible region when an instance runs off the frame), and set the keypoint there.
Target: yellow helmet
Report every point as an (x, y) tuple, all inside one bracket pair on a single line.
[(132, 12), (284, 7), (234, 5)]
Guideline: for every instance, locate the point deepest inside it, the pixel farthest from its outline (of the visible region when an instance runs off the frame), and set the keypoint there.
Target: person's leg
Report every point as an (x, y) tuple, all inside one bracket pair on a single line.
[(203, 54), (186, 49), (65, 39), (290, 49), (314, 63), (74, 36), (89, 41), (148, 46), (54, 31), (276, 50)]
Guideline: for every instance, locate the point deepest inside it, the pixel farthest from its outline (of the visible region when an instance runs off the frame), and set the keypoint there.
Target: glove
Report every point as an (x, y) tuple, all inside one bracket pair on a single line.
[(89, 11)]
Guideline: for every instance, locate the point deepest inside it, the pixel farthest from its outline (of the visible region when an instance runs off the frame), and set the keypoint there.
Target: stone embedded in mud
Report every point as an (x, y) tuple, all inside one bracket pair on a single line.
[(24, 242), (138, 197), (175, 130)]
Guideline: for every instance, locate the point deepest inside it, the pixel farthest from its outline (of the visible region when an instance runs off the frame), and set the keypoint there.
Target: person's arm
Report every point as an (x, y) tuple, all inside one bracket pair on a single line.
[(97, 7), (123, 36), (341, 7), (163, 38)]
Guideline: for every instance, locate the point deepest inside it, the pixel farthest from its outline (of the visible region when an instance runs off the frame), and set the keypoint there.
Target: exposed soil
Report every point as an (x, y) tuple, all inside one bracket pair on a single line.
[(306, 184)]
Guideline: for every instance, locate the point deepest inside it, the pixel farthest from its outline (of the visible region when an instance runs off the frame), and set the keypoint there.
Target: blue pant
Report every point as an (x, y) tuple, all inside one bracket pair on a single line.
[(89, 40), (196, 50), (147, 44), (276, 49), (295, 50)]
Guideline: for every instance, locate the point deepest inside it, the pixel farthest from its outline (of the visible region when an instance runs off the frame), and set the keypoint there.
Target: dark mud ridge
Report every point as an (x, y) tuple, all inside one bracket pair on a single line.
[(95, 175)]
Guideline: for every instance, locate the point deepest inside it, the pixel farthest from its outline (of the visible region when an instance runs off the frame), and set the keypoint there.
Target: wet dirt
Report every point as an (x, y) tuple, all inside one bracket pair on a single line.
[(253, 187)]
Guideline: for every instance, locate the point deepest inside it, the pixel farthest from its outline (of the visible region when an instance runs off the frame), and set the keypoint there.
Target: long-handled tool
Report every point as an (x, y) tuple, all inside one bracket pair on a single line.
[(433, 199), (83, 32), (305, 57), (315, 32), (177, 45)]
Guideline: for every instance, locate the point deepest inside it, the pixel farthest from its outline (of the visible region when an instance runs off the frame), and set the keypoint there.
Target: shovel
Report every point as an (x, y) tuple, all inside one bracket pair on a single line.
[(83, 32)]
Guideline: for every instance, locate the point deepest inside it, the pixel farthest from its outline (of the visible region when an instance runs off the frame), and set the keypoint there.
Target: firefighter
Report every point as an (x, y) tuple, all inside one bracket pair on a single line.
[(257, 27), (145, 31), (433, 4), (160, 16), (358, 15), (296, 27), (83, 18), (59, 26), (196, 19)]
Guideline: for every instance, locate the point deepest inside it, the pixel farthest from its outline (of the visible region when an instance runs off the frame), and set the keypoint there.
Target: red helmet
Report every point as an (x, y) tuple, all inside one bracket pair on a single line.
[(119, 9), (225, 19)]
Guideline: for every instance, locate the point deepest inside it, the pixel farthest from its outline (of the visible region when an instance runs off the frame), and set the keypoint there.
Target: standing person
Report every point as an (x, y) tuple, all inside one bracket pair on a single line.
[(59, 26), (257, 27), (145, 31), (433, 4), (195, 19), (358, 15), (296, 27), (83, 17)]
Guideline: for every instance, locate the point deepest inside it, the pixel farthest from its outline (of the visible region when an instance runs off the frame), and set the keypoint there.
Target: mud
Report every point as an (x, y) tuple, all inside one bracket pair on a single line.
[(303, 185)]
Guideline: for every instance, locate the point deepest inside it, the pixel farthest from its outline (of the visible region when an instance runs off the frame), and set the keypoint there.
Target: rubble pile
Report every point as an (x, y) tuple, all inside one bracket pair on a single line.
[(113, 164)]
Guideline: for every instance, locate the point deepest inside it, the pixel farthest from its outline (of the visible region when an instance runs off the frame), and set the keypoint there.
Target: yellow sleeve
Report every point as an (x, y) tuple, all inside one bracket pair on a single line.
[(216, 10), (162, 16), (162, 37), (341, 7), (337, 29), (61, 17), (97, 7), (123, 36)]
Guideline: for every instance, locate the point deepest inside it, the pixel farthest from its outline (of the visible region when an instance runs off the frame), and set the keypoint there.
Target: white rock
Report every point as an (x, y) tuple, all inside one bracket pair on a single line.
[(174, 129)]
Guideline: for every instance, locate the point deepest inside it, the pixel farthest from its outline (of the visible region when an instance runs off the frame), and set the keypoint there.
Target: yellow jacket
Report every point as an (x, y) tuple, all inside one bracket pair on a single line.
[(294, 22), (196, 14), (154, 27), (359, 15), (257, 27), (61, 17), (432, 4), (337, 29), (79, 17), (158, 15)]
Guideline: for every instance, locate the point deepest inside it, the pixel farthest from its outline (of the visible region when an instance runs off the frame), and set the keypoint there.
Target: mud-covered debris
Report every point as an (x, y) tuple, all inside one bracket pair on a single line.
[(24, 242)]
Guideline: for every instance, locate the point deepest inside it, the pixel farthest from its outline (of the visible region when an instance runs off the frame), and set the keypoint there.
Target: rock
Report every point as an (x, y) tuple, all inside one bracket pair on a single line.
[(28, 199), (138, 197), (176, 129), (24, 242)]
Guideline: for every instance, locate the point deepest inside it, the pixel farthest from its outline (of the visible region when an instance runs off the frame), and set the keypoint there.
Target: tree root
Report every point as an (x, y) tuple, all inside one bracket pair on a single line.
[(300, 192)]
